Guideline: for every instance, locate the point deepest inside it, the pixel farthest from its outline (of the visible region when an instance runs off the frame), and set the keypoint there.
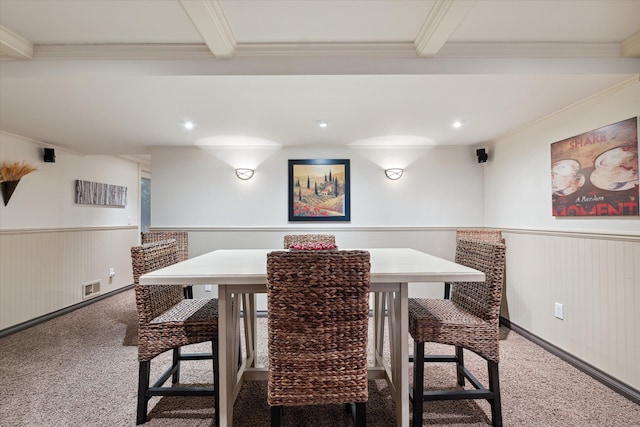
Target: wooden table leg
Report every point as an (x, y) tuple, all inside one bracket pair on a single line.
[(225, 376), (399, 353)]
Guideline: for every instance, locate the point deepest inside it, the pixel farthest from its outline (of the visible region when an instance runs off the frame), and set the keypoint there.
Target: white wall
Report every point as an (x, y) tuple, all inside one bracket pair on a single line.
[(193, 188), (441, 189), (518, 174), (591, 266), (50, 246), (46, 198)]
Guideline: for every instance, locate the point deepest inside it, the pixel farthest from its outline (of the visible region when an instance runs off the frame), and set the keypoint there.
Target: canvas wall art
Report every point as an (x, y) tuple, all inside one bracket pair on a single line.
[(596, 173), (97, 193)]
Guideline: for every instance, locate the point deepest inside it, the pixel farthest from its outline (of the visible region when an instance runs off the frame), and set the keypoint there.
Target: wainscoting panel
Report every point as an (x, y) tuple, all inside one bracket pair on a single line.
[(42, 271), (597, 280)]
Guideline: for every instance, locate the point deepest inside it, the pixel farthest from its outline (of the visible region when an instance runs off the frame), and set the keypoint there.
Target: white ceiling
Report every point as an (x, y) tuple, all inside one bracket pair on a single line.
[(118, 77)]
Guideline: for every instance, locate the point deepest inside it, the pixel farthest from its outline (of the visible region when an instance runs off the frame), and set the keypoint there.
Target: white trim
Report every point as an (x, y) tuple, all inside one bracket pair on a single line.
[(575, 234), (391, 50), (14, 45), (121, 51), (442, 20), (631, 46), (212, 24), (628, 82), (300, 229), (65, 230), (326, 49), (529, 50)]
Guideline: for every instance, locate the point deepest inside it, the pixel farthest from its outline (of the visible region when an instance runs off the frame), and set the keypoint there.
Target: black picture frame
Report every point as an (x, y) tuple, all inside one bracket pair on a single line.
[(319, 190)]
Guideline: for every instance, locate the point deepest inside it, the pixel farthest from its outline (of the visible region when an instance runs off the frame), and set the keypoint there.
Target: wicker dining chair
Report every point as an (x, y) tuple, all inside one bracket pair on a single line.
[(489, 234), (318, 315), (469, 320), (182, 240), (168, 321), (296, 239), (181, 237)]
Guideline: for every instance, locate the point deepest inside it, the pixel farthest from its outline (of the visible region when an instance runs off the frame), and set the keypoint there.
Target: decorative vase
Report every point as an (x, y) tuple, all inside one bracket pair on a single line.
[(8, 187)]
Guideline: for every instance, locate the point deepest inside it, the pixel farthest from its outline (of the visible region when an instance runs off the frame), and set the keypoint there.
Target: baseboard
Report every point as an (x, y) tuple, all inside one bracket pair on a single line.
[(614, 384), (36, 321)]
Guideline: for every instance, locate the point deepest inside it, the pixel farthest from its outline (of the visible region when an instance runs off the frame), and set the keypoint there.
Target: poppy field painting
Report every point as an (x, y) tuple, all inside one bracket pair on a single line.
[(319, 190)]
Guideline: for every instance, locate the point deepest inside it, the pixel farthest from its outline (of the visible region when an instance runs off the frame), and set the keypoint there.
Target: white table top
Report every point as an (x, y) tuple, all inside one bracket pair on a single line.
[(249, 267)]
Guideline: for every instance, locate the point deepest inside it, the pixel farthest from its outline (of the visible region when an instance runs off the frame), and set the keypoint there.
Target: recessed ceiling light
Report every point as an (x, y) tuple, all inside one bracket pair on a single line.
[(457, 124), (188, 124), (322, 123)]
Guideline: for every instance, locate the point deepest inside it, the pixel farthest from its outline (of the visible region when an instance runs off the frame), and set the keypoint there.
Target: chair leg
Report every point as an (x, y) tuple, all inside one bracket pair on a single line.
[(358, 412), (418, 383), (144, 371), (276, 416), (494, 386), (447, 290), (188, 292), (216, 378), (176, 362), (361, 414), (460, 365)]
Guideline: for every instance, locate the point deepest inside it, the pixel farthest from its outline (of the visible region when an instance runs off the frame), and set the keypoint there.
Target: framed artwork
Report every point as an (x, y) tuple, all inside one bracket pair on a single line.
[(97, 193), (319, 190), (596, 173)]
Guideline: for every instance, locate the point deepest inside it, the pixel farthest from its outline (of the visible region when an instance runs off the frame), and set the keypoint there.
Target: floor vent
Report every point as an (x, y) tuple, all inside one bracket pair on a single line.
[(90, 289)]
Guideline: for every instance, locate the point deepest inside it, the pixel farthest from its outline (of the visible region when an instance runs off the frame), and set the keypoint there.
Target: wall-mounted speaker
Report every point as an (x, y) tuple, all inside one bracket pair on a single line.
[(482, 155), (49, 155)]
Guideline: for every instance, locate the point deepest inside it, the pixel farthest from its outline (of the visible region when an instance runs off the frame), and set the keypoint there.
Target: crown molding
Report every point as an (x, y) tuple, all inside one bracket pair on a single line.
[(631, 46), (529, 50), (443, 18), (326, 49), (13, 45), (212, 24), (121, 51), (391, 50), (593, 97)]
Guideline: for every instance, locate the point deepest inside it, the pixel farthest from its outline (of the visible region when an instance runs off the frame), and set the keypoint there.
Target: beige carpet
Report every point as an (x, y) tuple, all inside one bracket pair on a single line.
[(80, 369)]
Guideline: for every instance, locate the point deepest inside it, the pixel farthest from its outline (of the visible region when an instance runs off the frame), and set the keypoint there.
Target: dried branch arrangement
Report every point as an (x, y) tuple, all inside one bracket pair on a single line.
[(13, 171)]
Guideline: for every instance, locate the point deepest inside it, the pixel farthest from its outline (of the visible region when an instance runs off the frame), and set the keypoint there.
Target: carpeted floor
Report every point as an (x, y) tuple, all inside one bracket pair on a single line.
[(80, 369)]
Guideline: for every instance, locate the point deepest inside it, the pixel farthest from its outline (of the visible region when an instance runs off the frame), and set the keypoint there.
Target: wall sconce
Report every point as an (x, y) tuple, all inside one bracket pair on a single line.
[(244, 174), (394, 173)]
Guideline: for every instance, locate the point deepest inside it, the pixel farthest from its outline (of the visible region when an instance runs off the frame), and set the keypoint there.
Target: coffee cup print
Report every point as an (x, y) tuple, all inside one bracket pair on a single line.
[(566, 177), (616, 169)]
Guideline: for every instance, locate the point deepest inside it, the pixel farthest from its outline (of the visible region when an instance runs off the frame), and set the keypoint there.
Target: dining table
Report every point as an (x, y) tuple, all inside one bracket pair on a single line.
[(240, 274)]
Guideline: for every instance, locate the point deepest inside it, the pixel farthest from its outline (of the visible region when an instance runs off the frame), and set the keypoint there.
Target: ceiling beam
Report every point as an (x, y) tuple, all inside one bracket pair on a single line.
[(631, 46), (13, 45), (213, 26), (317, 65), (442, 20)]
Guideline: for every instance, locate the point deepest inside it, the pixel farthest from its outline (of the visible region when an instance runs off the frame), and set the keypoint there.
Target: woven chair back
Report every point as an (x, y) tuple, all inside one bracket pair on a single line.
[(483, 300), (296, 239), (151, 301), (489, 234), (318, 315), (181, 238)]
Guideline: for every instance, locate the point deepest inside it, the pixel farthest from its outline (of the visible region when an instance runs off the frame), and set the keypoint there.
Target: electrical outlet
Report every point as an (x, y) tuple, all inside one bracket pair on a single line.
[(208, 288), (559, 310)]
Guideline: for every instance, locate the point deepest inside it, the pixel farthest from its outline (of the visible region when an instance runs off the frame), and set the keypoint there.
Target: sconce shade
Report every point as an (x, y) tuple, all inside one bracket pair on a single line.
[(244, 174), (394, 173)]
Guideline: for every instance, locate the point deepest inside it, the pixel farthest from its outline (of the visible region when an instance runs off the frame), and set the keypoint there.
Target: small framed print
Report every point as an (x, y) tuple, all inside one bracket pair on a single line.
[(319, 190)]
